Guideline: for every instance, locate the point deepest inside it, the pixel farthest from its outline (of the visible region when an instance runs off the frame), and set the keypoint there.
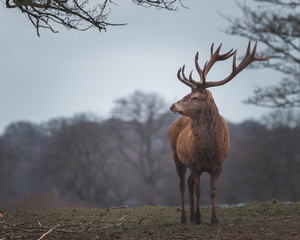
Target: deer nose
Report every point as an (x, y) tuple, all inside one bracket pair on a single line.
[(172, 107)]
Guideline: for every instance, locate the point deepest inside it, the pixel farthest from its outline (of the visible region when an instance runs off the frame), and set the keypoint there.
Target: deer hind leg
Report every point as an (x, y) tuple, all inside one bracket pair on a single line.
[(191, 197), (181, 171), (213, 189)]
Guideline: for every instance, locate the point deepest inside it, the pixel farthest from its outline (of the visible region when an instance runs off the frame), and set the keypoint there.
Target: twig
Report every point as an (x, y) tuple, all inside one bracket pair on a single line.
[(106, 211), (112, 208), (86, 226), (119, 207), (114, 225), (277, 219), (39, 223), (154, 220), (187, 236), (122, 218), (33, 221), (216, 234), (50, 230), (20, 230), (17, 211)]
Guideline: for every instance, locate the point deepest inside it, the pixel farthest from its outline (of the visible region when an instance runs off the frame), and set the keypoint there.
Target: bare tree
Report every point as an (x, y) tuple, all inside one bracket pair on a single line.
[(276, 24), (8, 163), (285, 130), (25, 140), (76, 14), (76, 160), (142, 141)]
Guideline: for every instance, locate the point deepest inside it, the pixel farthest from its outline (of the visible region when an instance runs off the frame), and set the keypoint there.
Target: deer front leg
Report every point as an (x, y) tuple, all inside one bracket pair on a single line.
[(197, 186), (191, 197), (181, 171), (213, 189)]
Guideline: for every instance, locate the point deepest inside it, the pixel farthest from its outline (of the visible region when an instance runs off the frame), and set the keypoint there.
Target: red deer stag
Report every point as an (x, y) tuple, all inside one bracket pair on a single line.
[(199, 138)]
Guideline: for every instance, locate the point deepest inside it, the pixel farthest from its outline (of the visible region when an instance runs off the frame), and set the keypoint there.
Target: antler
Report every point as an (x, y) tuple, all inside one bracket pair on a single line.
[(215, 56)]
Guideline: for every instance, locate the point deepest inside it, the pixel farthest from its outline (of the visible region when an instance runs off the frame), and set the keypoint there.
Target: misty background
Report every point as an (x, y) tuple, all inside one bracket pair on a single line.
[(84, 115), (70, 72)]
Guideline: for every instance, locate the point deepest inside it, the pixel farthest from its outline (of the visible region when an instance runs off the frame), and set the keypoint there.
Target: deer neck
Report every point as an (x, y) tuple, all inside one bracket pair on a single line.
[(205, 121)]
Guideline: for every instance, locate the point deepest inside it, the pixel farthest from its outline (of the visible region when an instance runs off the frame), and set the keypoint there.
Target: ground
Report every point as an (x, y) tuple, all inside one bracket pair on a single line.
[(259, 220)]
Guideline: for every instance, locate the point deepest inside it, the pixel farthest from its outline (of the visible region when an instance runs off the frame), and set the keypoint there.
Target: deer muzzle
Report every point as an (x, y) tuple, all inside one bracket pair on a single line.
[(175, 109), (172, 107)]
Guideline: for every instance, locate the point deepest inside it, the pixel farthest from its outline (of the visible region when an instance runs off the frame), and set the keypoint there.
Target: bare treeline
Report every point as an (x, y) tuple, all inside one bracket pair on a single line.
[(126, 160)]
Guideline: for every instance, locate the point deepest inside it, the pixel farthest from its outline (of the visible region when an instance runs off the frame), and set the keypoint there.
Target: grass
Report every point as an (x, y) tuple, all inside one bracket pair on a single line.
[(259, 220)]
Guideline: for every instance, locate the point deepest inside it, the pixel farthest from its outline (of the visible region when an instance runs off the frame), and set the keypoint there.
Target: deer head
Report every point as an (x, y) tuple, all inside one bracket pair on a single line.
[(200, 96)]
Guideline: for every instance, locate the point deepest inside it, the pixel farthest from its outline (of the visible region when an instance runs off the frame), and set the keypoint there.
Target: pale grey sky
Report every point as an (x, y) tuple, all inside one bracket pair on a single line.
[(58, 75)]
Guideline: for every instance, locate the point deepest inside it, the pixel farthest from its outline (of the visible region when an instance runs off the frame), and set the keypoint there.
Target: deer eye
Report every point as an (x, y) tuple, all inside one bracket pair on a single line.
[(195, 98)]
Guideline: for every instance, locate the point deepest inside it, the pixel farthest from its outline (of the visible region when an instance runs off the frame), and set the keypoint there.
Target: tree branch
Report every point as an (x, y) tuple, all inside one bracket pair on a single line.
[(276, 24), (76, 14)]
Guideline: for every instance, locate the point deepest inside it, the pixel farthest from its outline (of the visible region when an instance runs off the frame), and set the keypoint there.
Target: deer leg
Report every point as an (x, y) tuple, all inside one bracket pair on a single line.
[(213, 189), (181, 171), (197, 184), (191, 197)]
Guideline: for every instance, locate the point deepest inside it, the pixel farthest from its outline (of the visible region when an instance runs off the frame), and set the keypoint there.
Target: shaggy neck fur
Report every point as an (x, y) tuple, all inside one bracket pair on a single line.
[(205, 121)]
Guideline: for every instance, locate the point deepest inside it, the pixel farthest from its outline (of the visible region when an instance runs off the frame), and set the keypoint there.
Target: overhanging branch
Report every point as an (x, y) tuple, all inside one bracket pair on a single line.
[(77, 14)]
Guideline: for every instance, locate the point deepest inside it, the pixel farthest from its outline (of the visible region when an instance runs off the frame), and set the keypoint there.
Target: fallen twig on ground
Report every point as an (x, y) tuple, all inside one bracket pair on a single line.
[(49, 231), (152, 219), (277, 219), (25, 229)]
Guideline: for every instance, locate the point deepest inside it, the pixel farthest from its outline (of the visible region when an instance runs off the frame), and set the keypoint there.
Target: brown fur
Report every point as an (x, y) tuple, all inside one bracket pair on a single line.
[(199, 140)]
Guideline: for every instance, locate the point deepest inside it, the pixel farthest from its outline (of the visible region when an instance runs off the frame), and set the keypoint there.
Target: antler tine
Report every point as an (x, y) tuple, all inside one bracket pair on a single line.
[(234, 60), (248, 48), (205, 71), (183, 78), (192, 80), (226, 55), (215, 56), (248, 59), (261, 56), (254, 49), (183, 74), (199, 70), (212, 49)]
